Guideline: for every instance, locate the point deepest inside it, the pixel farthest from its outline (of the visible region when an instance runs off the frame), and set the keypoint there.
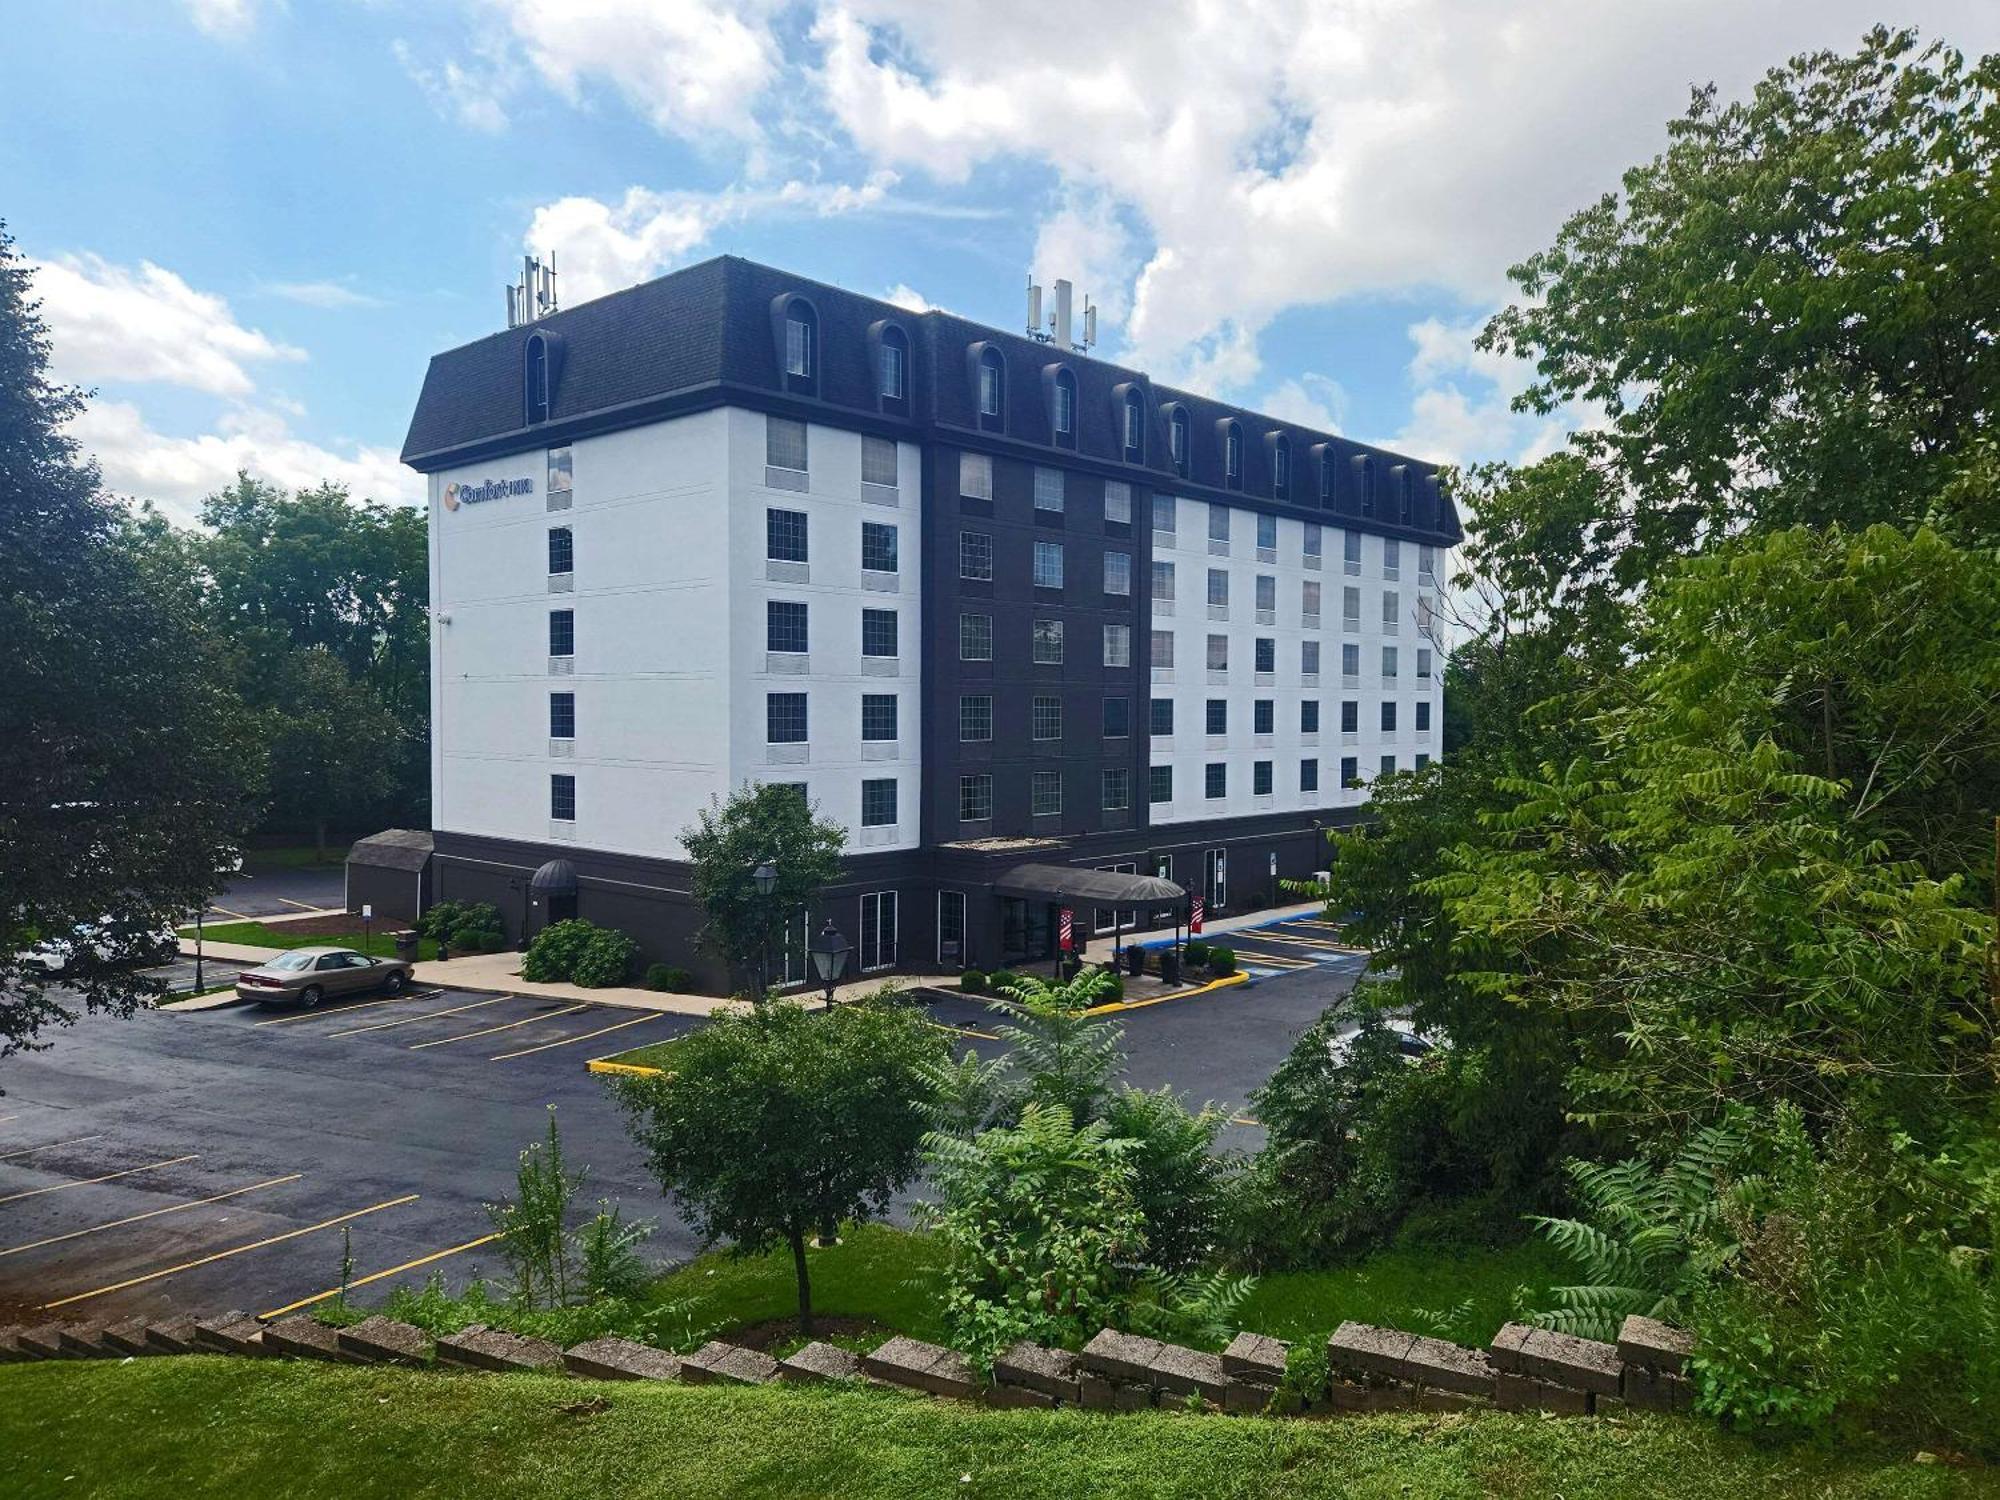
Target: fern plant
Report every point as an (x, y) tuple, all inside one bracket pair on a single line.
[(1059, 1055), (1202, 1308), (1651, 1233)]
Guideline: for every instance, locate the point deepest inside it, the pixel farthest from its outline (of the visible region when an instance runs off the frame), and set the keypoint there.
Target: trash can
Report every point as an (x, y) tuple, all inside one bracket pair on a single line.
[(406, 947)]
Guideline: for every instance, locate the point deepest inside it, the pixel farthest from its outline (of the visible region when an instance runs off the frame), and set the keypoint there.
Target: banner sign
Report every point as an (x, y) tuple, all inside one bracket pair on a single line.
[(1194, 916), (1066, 930)]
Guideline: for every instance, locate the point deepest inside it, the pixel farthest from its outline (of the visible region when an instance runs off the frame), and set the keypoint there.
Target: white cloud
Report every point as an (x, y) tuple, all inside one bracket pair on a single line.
[(228, 19), (324, 294), (476, 97), (910, 299), (109, 322), (1312, 400), (1084, 241)]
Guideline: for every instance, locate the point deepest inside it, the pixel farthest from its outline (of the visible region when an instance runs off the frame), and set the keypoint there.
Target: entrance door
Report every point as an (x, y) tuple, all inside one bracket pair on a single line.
[(951, 929), (1216, 881), (878, 930)]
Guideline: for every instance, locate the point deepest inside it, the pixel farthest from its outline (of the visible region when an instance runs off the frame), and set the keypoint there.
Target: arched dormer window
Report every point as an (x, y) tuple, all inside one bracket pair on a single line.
[(795, 333), (889, 356), (992, 384), (1178, 440), (1063, 408), (1281, 467), (1405, 494), (1232, 455), (1367, 484), (1132, 426), (536, 381), (1328, 478)]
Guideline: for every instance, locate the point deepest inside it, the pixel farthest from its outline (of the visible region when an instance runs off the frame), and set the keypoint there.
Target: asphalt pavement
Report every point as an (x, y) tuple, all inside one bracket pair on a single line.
[(274, 890)]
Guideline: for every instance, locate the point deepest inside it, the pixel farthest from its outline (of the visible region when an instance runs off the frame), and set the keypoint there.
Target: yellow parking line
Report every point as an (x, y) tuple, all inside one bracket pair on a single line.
[(601, 1031), (1245, 1120), (1293, 939), (986, 1036), (425, 1016), (408, 1265), (341, 1010), (1115, 1006), (625, 1070), (151, 1213), (107, 1177), (240, 916), (290, 1234), (445, 1041), (1282, 960), (49, 1146)]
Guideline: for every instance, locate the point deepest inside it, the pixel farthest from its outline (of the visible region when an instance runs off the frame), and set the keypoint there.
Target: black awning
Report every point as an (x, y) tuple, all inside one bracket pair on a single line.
[(1096, 887), (556, 878)]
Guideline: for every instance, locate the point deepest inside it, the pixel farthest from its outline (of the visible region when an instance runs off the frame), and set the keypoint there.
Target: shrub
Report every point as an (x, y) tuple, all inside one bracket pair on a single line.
[(465, 926), (551, 958), (972, 982), (1195, 953), (1221, 961), (606, 960), (1178, 1182), (1114, 985), (669, 978), (551, 1264)]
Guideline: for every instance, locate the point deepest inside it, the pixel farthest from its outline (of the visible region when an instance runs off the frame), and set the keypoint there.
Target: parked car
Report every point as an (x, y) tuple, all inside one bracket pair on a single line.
[(103, 941), (1411, 1044), (306, 976)]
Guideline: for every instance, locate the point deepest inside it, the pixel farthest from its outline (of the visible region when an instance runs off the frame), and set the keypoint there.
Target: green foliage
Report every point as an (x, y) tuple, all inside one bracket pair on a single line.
[(1221, 960), (669, 978), (782, 1122), (972, 982), (552, 1265), (1178, 1182), (1057, 1053), (463, 926), (1200, 1308), (729, 840), (553, 956), (1194, 952), (605, 960)]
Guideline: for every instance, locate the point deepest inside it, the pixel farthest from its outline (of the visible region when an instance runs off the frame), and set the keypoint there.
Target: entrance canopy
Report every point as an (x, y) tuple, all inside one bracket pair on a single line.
[(1087, 887), (556, 878)]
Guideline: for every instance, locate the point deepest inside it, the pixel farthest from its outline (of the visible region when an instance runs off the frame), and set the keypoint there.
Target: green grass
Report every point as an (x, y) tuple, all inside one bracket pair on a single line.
[(209, 1425), (296, 857), (1471, 1292), (259, 935), (652, 1055)]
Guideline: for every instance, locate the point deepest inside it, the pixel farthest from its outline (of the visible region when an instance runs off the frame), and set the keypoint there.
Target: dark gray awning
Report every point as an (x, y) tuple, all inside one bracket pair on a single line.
[(392, 849), (556, 878), (1097, 887)]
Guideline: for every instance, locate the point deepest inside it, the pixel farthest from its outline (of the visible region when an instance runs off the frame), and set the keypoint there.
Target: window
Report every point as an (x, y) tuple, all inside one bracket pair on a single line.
[(1423, 661), (975, 718), (1281, 468), (1388, 715), (1260, 778), (535, 373), (1309, 658), (1215, 718), (562, 473), (1232, 454), (1117, 645), (878, 547), (1392, 558), (562, 716), (1163, 514), (1427, 561), (880, 462), (1264, 716), (1117, 789), (1350, 770), (878, 632), (895, 371), (1267, 533), (784, 444), (562, 798), (1048, 565), (1309, 775), (1350, 607), (1350, 660), (975, 476), (1163, 581), (975, 797), (1218, 588), (785, 535), (1118, 573), (1045, 716), (1350, 716), (1159, 783), (975, 637), (1218, 524), (1406, 494), (562, 550), (1392, 611), (1422, 760), (1326, 479), (1315, 542), (1423, 716), (1117, 503), (1215, 781), (1048, 643), (1266, 655), (1367, 486), (1218, 653), (1309, 716), (784, 625), (975, 555), (1065, 404), (1163, 649), (1309, 598), (1160, 718), (798, 347), (1350, 551), (1177, 441), (1135, 427), (878, 716), (990, 384), (1388, 765), (785, 718), (1045, 794), (1388, 661), (1267, 594), (878, 803), (1048, 489), (562, 632), (1117, 718)]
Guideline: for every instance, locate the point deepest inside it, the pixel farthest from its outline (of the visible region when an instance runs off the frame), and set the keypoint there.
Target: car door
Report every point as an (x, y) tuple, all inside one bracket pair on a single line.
[(329, 972), (362, 972)]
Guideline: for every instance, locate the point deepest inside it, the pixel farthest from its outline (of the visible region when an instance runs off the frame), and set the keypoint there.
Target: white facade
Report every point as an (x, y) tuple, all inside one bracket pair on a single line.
[(669, 672)]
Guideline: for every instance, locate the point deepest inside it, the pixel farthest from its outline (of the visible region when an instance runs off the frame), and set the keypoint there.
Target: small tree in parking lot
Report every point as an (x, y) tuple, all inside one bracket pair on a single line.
[(767, 824)]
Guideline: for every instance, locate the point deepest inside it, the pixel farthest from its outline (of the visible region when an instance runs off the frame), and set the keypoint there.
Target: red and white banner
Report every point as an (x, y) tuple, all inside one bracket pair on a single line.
[(1066, 929), (1194, 916)]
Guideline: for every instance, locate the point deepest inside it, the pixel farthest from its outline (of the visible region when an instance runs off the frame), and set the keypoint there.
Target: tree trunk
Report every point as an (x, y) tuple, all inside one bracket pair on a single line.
[(829, 1232), (798, 1238)]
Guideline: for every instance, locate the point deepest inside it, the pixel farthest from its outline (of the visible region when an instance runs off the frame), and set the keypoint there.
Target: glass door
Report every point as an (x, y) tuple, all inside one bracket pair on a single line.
[(951, 929), (878, 930)]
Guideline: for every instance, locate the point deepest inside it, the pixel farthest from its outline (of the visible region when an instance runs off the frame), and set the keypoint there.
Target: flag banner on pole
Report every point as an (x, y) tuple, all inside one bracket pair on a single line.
[(1194, 916), (1066, 929)]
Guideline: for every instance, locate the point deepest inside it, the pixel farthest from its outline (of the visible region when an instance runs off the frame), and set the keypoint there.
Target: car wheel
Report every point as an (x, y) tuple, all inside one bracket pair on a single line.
[(310, 996), (393, 985)]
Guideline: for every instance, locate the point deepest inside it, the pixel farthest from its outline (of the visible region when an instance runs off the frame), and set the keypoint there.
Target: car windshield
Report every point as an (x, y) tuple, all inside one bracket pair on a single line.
[(291, 962)]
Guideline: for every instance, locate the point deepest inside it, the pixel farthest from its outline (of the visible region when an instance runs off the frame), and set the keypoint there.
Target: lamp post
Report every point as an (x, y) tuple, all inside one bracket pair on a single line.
[(764, 879), (829, 950)]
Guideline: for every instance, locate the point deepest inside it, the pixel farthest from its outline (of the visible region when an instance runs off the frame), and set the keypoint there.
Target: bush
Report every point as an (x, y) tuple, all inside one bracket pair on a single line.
[(1114, 986), (1221, 961), (464, 926), (1178, 1182), (1195, 953), (551, 958), (606, 960), (972, 982), (669, 978)]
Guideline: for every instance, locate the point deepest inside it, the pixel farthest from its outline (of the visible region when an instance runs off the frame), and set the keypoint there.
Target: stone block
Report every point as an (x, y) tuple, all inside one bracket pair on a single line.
[(480, 1348), (1095, 1391), (820, 1361), (1127, 1356), (1560, 1358), (229, 1333), (1131, 1396), (1256, 1355), (380, 1340), (1378, 1395), (1513, 1391), (621, 1359), (86, 1341), (1050, 1371), (304, 1337), (11, 1351), (127, 1338), (717, 1363), (1656, 1345), (1439, 1365), (1018, 1396), (924, 1367), (173, 1335), (1430, 1398), (1656, 1390), (1361, 1349), (1247, 1397), (1187, 1372), (43, 1341)]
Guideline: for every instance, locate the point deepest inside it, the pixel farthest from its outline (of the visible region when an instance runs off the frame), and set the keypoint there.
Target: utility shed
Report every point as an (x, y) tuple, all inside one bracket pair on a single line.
[(391, 871)]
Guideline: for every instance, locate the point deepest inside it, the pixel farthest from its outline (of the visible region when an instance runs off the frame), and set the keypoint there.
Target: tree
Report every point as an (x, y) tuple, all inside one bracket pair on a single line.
[(774, 1123), (131, 769), (332, 742), (729, 840)]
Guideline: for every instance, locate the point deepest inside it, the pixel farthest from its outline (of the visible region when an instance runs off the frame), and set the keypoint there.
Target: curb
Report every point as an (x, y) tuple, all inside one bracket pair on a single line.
[(623, 1070)]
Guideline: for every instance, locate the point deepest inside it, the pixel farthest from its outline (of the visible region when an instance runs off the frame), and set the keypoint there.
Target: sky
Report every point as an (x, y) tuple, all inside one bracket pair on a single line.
[(253, 221)]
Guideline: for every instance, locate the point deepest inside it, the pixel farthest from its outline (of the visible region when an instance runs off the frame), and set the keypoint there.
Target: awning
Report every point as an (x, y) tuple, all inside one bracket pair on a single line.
[(392, 849), (556, 878), (1091, 887)]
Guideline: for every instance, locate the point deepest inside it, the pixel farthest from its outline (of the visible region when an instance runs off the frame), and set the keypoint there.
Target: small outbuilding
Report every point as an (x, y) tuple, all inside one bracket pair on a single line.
[(391, 872)]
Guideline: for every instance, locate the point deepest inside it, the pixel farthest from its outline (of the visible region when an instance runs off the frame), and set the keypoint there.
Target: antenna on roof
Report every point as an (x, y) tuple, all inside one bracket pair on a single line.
[(1034, 309), (535, 295), (1089, 325)]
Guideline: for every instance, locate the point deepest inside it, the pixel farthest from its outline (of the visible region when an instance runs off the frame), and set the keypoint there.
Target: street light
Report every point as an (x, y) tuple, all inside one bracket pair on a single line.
[(764, 880), (829, 952)]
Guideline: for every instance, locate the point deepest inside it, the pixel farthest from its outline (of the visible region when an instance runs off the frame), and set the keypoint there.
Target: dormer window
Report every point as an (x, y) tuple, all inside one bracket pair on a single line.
[(1135, 428), (537, 379), (1405, 493), (798, 346), (1232, 455), (1326, 480), (895, 370), (795, 343), (991, 384), (1177, 440), (1065, 404), (1281, 468), (1368, 486)]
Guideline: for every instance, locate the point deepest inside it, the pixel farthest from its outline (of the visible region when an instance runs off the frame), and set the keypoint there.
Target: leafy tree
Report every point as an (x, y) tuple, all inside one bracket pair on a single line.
[(777, 1122), (1057, 1053), (131, 769), (332, 742), (729, 840)]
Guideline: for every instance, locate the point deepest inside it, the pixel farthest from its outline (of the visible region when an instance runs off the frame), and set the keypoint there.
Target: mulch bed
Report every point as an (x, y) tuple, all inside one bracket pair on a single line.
[(778, 1331)]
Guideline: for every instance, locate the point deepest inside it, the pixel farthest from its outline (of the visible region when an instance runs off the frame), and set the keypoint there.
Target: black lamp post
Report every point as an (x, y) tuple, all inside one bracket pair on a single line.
[(764, 879), (829, 950)]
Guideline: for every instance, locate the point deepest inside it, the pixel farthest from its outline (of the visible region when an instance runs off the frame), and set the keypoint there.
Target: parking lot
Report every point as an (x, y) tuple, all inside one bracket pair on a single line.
[(204, 1160)]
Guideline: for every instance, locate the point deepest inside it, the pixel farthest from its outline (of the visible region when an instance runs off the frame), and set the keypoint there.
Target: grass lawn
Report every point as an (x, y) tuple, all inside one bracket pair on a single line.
[(653, 1055), (259, 935), (296, 857), (209, 1425), (1471, 1292)]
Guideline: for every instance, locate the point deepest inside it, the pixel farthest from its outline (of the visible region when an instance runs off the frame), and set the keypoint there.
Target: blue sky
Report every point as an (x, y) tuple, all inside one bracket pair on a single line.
[(255, 220)]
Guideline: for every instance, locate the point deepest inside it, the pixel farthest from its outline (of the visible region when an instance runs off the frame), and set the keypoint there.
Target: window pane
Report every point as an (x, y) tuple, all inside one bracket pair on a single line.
[(1118, 573), (1045, 791), (1309, 597), (1218, 653), (562, 475), (562, 798), (878, 803), (878, 461), (975, 637), (1164, 512), (1049, 642), (1065, 407), (1117, 502), (1117, 718), (1263, 716), (1045, 717), (1423, 661), (1389, 715), (1161, 715), (562, 716), (1308, 775), (1350, 716), (975, 717), (1215, 780), (1350, 605), (1267, 591), (975, 797), (989, 387), (798, 347), (975, 555), (1350, 661), (1423, 716), (1048, 489), (1134, 422), (1350, 770), (1117, 789), (1163, 649), (1218, 588), (878, 547), (1218, 523), (785, 535), (878, 632), (562, 632), (1309, 657), (1216, 717), (1351, 547), (892, 370), (1117, 645), (784, 443), (1163, 580), (561, 552), (1315, 539), (1388, 661), (1267, 654), (975, 475), (1267, 531), (784, 625), (785, 718), (1260, 778), (1159, 783), (1048, 565), (878, 716), (1309, 716)]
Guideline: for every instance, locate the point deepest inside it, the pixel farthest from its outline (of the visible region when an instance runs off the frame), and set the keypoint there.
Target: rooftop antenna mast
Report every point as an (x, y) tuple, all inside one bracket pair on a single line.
[(534, 296)]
